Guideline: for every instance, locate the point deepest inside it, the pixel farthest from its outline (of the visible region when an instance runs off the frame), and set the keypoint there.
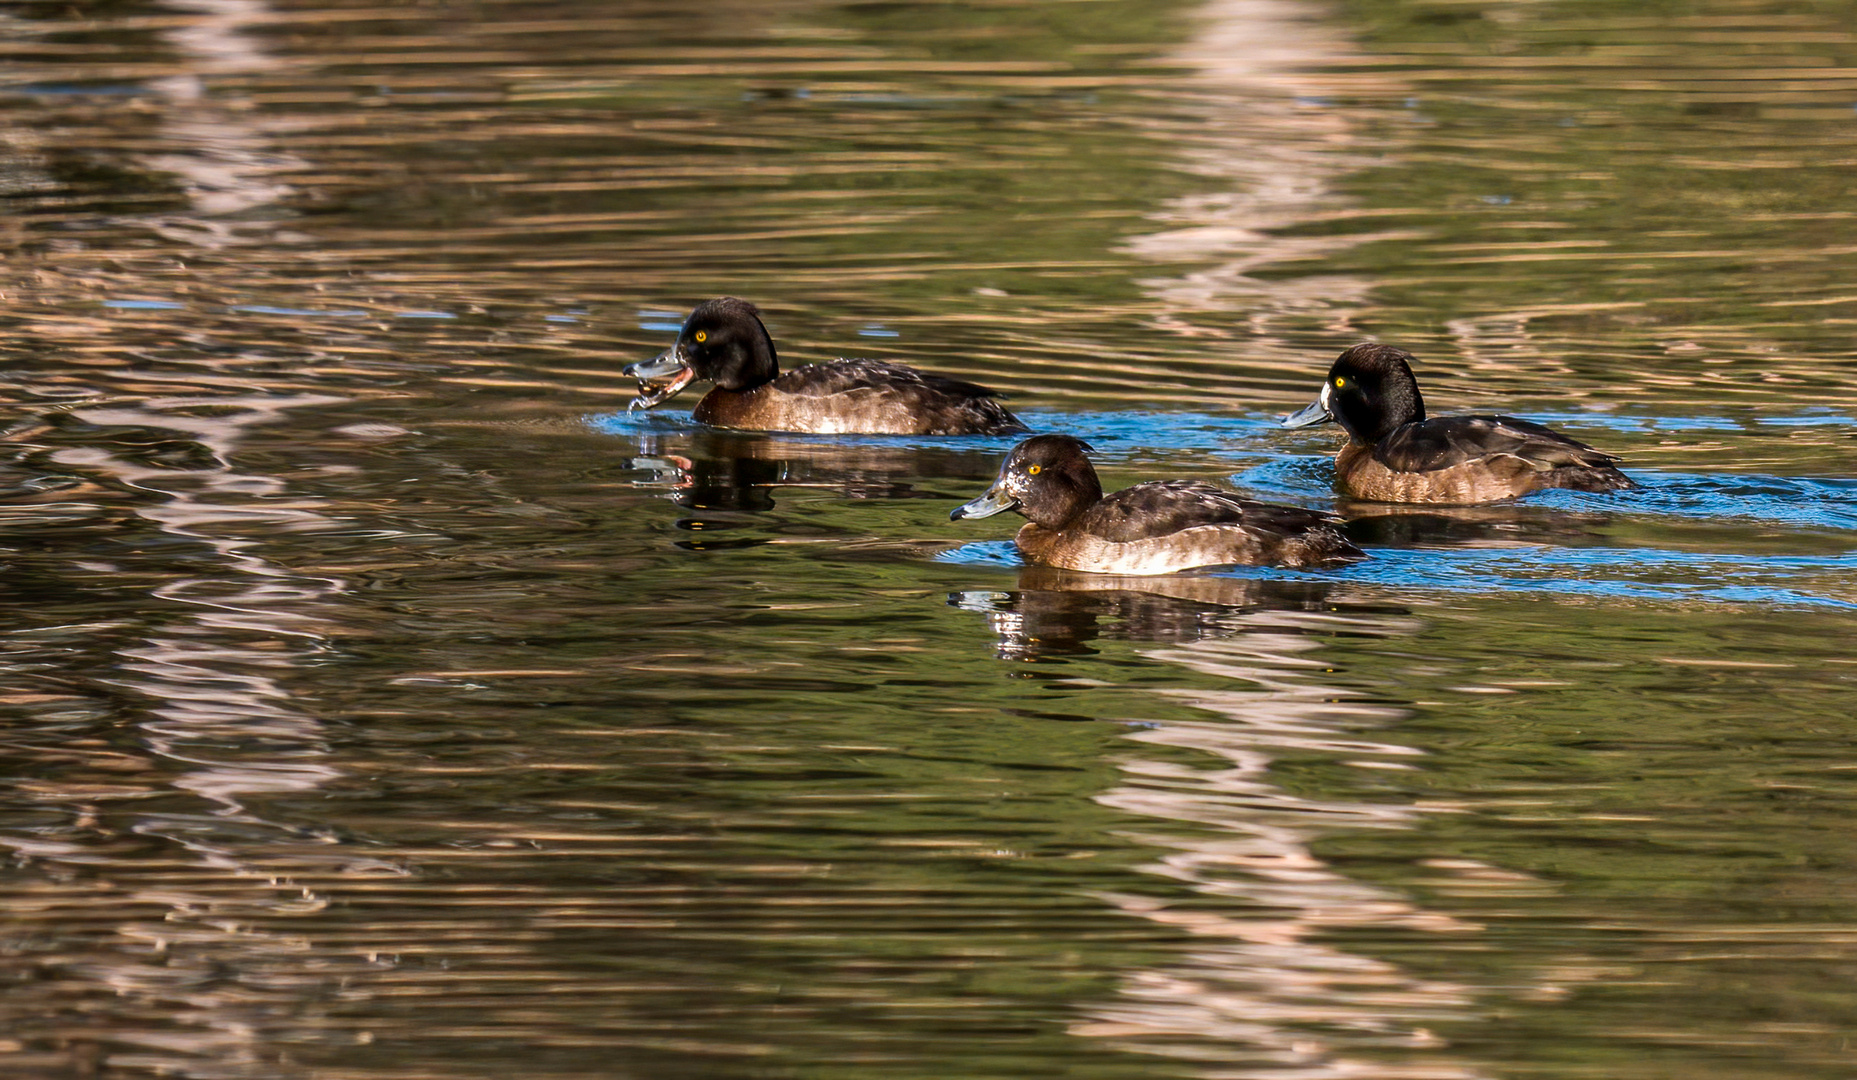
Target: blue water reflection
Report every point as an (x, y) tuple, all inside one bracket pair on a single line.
[(1618, 573)]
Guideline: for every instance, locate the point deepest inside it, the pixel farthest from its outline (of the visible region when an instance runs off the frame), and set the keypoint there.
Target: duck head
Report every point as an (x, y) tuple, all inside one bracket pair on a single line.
[(1048, 479), (1369, 392), (722, 342)]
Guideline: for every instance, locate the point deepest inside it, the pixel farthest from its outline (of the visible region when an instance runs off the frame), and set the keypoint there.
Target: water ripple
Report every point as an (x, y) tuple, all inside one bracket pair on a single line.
[(1809, 502), (1609, 572)]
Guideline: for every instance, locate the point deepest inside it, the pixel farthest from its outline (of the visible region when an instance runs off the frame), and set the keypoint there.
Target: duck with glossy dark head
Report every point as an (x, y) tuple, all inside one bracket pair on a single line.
[(1395, 453), (724, 342), (1156, 527)]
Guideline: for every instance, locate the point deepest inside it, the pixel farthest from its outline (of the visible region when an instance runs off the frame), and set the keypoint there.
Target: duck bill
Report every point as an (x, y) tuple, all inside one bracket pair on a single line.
[(996, 500), (659, 379), (1316, 412)]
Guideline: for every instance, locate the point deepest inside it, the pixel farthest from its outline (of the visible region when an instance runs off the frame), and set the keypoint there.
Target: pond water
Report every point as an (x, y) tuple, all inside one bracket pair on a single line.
[(382, 700)]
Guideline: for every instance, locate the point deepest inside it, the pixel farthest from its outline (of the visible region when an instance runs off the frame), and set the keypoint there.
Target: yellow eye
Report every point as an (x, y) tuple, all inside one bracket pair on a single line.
[(1341, 381), (1035, 470), (703, 335)]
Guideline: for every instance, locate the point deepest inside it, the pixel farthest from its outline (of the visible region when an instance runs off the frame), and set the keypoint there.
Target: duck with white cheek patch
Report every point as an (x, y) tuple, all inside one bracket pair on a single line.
[(1396, 454)]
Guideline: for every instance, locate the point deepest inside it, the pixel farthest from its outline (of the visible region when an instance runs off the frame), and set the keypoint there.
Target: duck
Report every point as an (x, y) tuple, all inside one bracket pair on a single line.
[(724, 342), (1157, 527), (1395, 454)]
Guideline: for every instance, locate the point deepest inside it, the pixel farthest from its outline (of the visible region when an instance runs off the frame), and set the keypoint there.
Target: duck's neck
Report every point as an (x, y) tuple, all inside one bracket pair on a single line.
[(722, 407), (1398, 406), (1062, 500), (747, 361), (1035, 541)]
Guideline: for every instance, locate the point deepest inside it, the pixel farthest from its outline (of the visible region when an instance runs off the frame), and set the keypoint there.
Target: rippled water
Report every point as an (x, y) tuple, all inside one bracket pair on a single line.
[(384, 701)]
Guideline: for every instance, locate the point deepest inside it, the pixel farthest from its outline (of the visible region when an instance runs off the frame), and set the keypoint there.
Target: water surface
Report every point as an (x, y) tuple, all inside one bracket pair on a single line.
[(384, 701)]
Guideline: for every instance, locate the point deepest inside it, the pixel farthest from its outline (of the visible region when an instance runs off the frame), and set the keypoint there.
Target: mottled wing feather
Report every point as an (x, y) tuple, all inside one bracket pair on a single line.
[(1164, 507), (941, 402), (850, 376), (1449, 441)]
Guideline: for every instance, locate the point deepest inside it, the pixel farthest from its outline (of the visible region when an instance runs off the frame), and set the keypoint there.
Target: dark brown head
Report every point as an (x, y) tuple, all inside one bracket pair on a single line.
[(1046, 478), (722, 341), (1369, 392)]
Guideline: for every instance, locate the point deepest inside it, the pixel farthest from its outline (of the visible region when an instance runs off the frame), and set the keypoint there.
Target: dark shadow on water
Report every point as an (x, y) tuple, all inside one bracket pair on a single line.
[(1392, 525)]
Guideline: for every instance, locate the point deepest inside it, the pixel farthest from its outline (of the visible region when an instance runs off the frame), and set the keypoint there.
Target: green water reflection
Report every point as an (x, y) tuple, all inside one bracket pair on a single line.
[(383, 702)]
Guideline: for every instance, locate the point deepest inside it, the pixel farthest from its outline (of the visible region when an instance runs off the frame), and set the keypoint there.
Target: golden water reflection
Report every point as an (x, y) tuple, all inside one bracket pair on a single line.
[(373, 712), (206, 685), (1261, 990)]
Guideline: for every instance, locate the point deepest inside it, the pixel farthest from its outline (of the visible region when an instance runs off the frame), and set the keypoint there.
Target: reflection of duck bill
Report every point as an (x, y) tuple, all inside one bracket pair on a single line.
[(671, 472), (1316, 412), (995, 500), (984, 601), (652, 392)]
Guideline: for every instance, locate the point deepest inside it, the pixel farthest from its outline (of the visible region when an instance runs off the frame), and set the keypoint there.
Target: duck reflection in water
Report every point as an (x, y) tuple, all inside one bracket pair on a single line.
[(1056, 612), (1510, 524), (728, 479), (728, 484)]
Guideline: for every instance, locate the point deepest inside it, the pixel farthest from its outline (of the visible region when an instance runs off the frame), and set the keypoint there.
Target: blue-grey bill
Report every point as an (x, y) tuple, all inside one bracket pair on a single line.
[(994, 501), (1308, 416), (652, 392)]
